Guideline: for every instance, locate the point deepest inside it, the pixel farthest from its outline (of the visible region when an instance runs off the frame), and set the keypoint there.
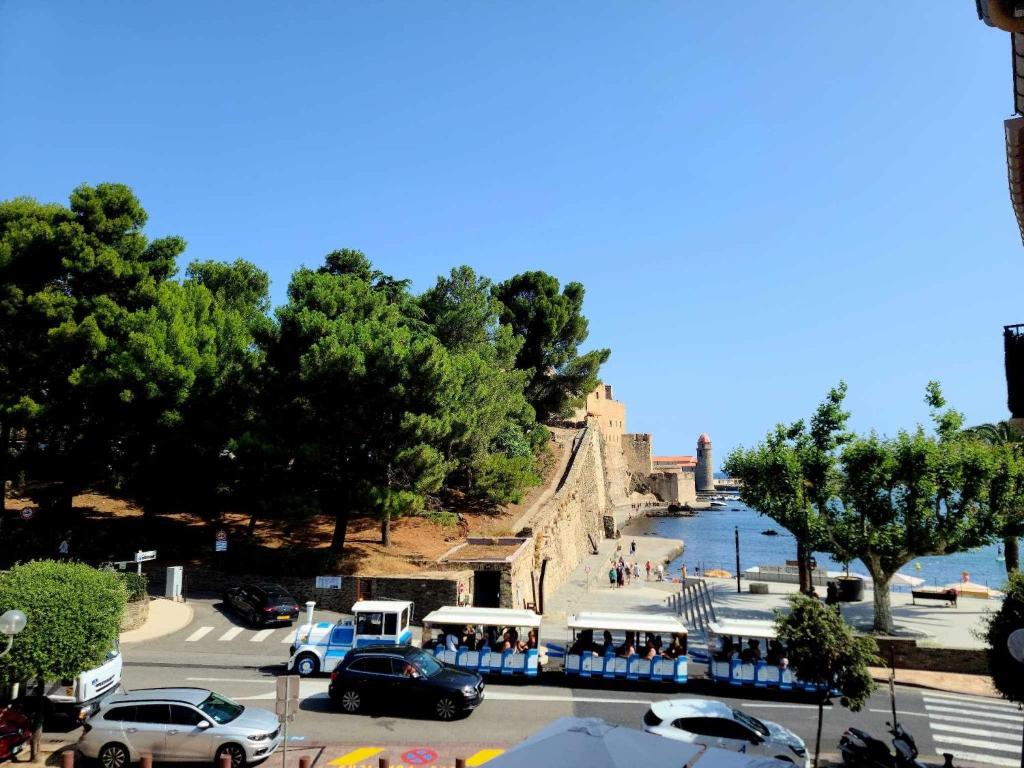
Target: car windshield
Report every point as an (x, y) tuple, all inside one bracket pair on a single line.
[(220, 709), (428, 665), (752, 723)]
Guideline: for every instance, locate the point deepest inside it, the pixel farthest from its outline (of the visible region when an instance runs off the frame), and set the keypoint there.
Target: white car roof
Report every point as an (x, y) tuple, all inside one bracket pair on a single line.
[(672, 709), (380, 606), (743, 628), (629, 622), (506, 617)]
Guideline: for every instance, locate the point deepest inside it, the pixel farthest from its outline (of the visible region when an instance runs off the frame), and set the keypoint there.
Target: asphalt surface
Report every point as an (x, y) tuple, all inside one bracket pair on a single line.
[(216, 651)]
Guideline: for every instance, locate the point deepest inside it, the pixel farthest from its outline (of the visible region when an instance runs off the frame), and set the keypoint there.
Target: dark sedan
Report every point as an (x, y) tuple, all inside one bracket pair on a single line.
[(263, 604), (393, 676)]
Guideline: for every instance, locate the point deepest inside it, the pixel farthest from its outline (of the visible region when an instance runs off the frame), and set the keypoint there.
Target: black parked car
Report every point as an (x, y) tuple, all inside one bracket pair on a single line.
[(266, 604), (393, 676)]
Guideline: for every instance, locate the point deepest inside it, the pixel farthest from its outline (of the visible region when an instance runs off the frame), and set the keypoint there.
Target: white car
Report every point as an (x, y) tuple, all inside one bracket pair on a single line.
[(712, 723)]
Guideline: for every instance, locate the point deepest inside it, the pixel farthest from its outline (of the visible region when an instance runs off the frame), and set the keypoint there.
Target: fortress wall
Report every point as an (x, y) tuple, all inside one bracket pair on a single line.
[(637, 451)]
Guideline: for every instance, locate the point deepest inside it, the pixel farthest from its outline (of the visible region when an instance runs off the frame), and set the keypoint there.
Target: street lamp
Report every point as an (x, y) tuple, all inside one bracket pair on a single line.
[(11, 623)]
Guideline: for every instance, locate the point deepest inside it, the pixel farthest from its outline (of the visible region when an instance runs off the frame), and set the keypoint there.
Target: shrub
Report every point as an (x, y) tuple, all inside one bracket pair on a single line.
[(136, 585)]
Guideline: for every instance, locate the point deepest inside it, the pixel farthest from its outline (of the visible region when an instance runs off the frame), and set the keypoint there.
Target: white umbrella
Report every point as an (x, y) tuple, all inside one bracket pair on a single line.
[(903, 580)]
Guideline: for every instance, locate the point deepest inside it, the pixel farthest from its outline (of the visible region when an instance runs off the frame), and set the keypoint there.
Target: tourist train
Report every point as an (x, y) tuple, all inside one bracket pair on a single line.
[(509, 642)]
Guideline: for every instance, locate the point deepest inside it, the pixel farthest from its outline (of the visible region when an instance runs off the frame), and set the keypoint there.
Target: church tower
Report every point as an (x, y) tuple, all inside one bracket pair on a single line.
[(705, 469)]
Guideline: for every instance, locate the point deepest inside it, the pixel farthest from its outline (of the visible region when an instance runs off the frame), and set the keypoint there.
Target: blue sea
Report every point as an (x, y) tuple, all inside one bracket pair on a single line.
[(710, 543)]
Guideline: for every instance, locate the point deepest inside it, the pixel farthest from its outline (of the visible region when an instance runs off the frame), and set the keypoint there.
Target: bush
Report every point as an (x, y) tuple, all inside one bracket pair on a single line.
[(136, 585), (1007, 673), (502, 479)]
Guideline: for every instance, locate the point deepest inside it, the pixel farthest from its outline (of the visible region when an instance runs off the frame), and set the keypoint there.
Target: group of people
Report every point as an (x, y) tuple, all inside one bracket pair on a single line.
[(751, 652), (651, 649), (487, 639), (623, 571)]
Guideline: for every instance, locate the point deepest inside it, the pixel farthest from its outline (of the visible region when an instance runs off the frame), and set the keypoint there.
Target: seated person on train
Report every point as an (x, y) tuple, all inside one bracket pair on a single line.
[(751, 653), (608, 647), (727, 652), (583, 644), (487, 640), (628, 648), (775, 653), (675, 649), (649, 651)]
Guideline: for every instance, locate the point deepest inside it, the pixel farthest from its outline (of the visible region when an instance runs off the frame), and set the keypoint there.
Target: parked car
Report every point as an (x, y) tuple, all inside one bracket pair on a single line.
[(15, 731), (392, 676), (178, 725), (262, 604), (713, 723)]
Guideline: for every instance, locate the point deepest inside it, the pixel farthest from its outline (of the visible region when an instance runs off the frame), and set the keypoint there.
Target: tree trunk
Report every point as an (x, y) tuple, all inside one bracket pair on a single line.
[(1011, 549), (883, 605), (385, 529), (37, 726), (250, 531), (803, 562), (817, 739), (340, 529)]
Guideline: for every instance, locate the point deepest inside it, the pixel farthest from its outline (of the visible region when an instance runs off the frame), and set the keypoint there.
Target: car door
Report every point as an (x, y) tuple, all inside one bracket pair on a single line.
[(736, 737), (408, 689), (185, 739), (697, 730), (147, 732)]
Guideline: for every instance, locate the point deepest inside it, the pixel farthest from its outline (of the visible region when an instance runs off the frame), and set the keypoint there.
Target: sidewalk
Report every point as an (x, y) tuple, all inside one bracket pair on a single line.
[(951, 682), (165, 617)]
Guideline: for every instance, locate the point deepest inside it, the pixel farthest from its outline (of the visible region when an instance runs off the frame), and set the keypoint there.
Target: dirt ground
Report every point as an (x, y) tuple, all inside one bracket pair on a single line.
[(105, 527)]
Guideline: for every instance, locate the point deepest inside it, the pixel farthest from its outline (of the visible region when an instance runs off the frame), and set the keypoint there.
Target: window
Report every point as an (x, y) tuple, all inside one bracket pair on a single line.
[(118, 714), (220, 709), (153, 713), (373, 665), (390, 623), (370, 623), (405, 618), (182, 715)]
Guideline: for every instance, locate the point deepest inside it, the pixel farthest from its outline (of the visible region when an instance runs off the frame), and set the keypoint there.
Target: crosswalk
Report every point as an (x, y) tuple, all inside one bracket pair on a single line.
[(974, 729), (281, 635)]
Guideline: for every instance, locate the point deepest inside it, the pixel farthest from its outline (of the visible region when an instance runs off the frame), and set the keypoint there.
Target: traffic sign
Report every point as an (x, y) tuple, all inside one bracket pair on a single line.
[(1015, 642), (142, 557), (27, 513), (421, 756)]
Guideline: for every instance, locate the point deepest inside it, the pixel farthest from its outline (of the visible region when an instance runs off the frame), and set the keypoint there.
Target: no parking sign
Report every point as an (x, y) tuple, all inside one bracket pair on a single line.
[(420, 756)]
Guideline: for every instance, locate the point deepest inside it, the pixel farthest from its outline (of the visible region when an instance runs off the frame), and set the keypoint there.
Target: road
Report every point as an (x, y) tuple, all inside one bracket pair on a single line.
[(216, 652)]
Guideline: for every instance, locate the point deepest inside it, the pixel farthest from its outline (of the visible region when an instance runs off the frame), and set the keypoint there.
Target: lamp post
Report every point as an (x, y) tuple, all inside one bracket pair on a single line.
[(11, 623)]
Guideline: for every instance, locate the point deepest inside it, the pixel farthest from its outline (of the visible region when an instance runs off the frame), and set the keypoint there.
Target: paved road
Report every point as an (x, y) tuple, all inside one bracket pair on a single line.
[(217, 652)]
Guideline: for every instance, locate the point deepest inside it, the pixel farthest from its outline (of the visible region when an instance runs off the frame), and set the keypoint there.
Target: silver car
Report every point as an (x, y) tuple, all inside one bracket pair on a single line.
[(712, 723), (180, 725)]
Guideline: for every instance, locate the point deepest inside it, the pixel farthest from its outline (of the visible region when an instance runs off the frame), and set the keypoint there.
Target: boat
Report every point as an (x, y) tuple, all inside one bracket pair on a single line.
[(769, 532), (718, 505)]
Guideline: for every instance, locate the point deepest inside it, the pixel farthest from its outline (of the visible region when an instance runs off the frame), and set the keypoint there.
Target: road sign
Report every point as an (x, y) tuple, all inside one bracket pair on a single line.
[(142, 557), (1015, 642), (27, 513), (421, 756), (328, 582)]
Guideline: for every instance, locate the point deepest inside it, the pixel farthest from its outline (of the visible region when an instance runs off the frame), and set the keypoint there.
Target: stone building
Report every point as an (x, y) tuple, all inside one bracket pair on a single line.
[(609, 412), (705, 467)]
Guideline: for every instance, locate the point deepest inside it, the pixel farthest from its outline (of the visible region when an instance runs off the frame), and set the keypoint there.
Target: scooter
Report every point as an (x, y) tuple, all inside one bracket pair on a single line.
[(860, 748)]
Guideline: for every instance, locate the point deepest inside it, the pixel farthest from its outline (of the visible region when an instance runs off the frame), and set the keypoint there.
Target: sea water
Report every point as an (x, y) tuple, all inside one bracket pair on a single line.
[(710, 543)]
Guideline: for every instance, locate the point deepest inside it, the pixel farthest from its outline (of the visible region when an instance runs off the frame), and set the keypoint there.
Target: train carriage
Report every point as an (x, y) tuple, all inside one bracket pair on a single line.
[(619, 655), (481, 636)]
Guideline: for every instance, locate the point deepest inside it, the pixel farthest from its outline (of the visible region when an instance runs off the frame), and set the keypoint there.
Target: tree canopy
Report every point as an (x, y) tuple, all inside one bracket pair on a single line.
[(1007, 673)]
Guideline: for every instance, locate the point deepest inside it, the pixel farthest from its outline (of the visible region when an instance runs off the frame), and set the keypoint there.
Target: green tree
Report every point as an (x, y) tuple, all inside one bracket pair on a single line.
[(824, 651), (1007, 494), (367, 388), (1007, 673), (911, 496), (74, 613), (552, 326), (793, 475)]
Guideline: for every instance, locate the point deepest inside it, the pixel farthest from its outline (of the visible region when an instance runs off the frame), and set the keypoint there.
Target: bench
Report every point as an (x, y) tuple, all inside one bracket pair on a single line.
[(945, 595)]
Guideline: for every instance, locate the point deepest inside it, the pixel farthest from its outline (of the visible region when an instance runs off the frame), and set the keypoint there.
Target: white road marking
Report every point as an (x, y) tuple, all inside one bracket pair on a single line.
[(960, 711), (199, 634), (751, 704), (1011, 727), (993, 704), (491, 694), (260, 636), (288, 637), (1013, 736), (231, 634), (983, 744), (976, 757), (902, 714)]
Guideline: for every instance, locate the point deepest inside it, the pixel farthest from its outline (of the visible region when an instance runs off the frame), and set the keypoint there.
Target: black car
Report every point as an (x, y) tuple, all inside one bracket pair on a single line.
[(265, 604), (392, 676)]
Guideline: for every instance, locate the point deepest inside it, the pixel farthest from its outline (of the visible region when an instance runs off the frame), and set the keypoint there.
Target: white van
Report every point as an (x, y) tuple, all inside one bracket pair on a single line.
[(79, 697)]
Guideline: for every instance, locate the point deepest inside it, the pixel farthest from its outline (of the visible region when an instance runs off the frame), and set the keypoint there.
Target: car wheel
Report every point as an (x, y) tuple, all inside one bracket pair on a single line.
[(114, 756), (446, 708), (233, 751), (351, 701), (307, 665)]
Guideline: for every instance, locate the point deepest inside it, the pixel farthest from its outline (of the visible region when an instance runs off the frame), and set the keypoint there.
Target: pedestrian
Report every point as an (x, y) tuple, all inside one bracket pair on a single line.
[(618, 575), (611, 576), (683, 569), (627, 571), (636, 572), (648, 567), (661, 572), (64, 548), (632, 547)]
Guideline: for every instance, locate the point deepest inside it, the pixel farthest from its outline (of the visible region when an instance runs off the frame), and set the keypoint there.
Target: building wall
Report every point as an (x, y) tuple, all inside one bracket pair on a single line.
[(609, 413)]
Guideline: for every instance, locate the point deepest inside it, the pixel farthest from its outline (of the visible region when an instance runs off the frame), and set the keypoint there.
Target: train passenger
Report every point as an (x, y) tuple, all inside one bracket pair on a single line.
[(583, 644), (609, 644), (752, 653), (775, 653), (628, 648)]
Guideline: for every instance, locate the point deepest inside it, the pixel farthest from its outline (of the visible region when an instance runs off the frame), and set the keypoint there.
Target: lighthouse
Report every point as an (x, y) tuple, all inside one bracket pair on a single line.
[(705, 469)]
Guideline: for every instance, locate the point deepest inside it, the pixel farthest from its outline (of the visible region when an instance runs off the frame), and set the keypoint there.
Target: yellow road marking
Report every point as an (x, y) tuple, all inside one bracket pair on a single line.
[(356, 756), (483, 756)]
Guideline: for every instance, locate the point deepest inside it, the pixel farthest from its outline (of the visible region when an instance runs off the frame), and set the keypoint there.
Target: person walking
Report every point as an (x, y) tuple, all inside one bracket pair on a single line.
[(632, 547), (648, 568), (618, 575), (627, 571), (611, 576)]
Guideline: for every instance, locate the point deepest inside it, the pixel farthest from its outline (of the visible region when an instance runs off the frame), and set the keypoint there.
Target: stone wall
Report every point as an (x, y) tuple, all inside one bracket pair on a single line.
[(608, 413), (674, 487), (135, 615), (909, 655), (572, 517), (637, 450), (428, 590)]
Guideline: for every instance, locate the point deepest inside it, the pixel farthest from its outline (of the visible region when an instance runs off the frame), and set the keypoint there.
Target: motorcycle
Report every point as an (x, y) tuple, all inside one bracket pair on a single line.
[(860, 748)]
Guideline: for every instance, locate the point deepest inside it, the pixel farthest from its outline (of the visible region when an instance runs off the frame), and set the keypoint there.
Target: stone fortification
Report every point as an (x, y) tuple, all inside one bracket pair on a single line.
[(572, 521), (705, 465), (636, 449), (674, 487)]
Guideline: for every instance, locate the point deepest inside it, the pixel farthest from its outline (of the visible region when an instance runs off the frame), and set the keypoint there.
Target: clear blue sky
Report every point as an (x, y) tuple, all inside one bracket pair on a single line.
[(760, 197)]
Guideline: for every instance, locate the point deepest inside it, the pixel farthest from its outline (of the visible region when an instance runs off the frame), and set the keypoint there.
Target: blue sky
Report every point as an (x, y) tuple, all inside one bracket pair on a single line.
[(761, 198)]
